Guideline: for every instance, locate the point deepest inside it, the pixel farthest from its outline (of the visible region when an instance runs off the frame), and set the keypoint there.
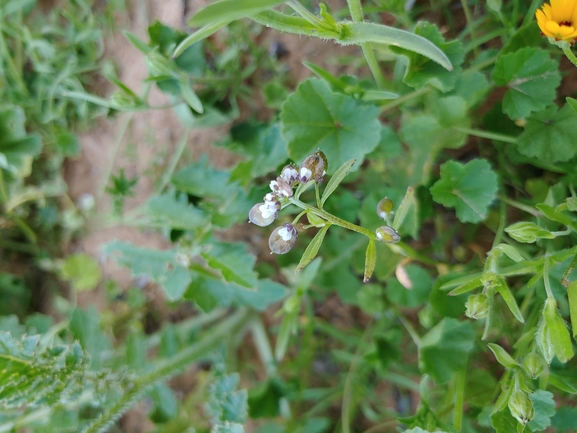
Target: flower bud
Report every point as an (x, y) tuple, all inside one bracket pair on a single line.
[(263, 214), (388, 235), (385, 208), (283, 238), (313, 167), (281, 187), (533, 365), (477, 306), (521, 406), (158, 65), (290, 174)]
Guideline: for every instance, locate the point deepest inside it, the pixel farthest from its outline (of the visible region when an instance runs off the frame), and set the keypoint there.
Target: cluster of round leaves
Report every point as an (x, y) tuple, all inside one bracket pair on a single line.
[(283, 238)]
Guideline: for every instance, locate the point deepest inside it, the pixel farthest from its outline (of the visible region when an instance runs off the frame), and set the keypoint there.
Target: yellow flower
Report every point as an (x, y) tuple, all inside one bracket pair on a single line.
[(559, 19)]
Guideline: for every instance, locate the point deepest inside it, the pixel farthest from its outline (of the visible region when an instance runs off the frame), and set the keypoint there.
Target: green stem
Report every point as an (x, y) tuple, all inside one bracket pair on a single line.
[(357, 15), (408, 326), (470, 25), (332, 219), (568, 53), (112, 160), (169, 368), (3, 192), (502, 222), (520, 206), (485, 134), (459, 399), (405, 98), (174, 162)]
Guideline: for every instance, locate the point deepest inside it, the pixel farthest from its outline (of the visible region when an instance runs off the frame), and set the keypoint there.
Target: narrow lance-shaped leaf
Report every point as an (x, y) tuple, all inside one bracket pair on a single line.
[(138, 43), (572, 295), (199, 35), (230, 10), (510, 252), (370, 260), (313, 248), (467, 287), (505, 292), (336, 180), (190, 97), (403, 210), (502, 356), (559, 333)]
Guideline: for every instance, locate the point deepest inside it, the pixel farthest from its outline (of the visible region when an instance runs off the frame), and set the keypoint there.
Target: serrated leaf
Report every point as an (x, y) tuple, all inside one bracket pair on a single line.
[(544, 407), (336, 179), (550, 135), (312, 248), (502, 356), (176, 213), (343, 128), (469, 188), (421, 71), (501, 286), (531, 77), (445, 349), (230, 10), (503, 422), (370, 260), (37, 376), (162, 266), (234, 262)]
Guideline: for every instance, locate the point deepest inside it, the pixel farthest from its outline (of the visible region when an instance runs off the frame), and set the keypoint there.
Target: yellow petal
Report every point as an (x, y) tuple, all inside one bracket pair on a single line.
[(548, 12), (562, 10)]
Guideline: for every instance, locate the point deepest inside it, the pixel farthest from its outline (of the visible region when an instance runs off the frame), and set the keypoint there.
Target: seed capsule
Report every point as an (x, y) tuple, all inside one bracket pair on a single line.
[(263, 214), (388, 235), (385, 208), (283, 238), (313, 167), (533, 365), (521, 406)]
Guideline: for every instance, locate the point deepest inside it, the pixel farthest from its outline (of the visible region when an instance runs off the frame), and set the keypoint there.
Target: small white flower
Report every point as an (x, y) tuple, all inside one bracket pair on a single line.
[(305, 175)]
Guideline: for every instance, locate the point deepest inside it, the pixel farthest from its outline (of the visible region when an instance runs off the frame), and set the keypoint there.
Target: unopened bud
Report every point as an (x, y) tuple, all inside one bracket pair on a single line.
[(521, 406), (281, 187), (290, 174), (388, 235), (477, 306), (533, 365), (121, 101), (385, 208), (283, 238), (313, 167)]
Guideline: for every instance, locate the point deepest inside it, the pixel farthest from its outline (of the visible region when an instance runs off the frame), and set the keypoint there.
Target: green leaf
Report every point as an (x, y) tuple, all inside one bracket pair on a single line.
[(445, 349), (572, 295), (553, 215), (190, 97), (230, 10), (544, 407), (565, 419), (176, 213), (81, 271), (531, 77), (407, 203), (312, 248), (503, 422), (361, 32), (199, 35), (557, 331), (421, 71), (336, 179), (502, 356), (234, 262), (500, 285), (469, 188), (572, 103), (527, 232), (315, 117), (550, 135), (138, 43), (37, 376), (264, 399), (163, 267), (85, 327), (209, 292), (68, 143), (370, 260)]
